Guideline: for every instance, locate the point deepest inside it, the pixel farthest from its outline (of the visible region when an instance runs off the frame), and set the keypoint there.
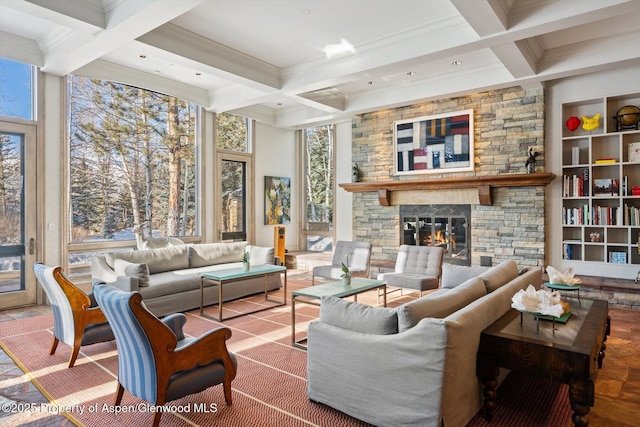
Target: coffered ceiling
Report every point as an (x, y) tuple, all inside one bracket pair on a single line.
[(293, 63)]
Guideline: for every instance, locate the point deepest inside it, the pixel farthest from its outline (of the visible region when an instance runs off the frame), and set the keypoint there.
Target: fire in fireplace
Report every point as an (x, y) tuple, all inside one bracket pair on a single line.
[(438, 225)]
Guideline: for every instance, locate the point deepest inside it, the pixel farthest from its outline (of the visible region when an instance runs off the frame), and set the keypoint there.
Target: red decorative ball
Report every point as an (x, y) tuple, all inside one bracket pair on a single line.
[(573, 123)]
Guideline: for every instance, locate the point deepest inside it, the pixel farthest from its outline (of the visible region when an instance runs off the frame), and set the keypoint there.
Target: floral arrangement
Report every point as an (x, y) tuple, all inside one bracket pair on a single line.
[(246, 256)]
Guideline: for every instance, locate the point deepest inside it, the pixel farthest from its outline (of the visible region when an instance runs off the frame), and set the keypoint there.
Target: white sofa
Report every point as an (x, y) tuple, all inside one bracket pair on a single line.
[(169, 278), (414, 365)]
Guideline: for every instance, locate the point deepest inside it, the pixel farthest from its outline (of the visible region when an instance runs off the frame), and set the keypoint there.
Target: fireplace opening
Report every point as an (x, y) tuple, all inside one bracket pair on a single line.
[(446, 226)]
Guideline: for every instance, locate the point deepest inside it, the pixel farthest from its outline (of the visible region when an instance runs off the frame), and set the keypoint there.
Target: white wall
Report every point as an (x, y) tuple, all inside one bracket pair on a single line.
[(625, 80), (50, 195), (275, 154), (343, 222)]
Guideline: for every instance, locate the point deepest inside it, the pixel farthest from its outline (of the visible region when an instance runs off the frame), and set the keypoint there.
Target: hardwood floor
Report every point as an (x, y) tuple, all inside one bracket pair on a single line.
[(617, 402)]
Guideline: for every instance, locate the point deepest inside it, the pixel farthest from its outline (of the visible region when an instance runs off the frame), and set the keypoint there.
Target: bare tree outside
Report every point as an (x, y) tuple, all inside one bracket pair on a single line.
[(319, 186), (129, 150)]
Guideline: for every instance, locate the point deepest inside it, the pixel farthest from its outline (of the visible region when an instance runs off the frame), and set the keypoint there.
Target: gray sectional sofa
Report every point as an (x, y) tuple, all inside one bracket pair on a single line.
[(413, 365), (169, 278)]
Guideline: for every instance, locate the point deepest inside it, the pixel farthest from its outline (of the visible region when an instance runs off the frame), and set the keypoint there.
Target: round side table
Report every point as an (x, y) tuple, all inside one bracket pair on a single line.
[(563, 287)]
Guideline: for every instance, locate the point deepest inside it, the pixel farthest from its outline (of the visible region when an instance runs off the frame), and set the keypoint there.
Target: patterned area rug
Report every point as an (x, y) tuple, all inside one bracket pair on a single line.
[(269, 390), (528, 401)]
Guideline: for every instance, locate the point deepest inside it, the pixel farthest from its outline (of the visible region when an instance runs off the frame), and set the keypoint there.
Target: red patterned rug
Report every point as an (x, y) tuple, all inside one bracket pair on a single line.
[(269, 390), (528, 401)]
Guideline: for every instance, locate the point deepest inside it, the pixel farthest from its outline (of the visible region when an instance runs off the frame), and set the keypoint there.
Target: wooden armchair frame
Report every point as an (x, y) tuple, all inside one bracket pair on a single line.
[(171, 355), (79, 303)]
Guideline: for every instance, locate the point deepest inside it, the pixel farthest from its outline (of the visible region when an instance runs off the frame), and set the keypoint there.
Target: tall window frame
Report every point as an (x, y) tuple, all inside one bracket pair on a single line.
[(234, 207), (318, 201), (79, 252)]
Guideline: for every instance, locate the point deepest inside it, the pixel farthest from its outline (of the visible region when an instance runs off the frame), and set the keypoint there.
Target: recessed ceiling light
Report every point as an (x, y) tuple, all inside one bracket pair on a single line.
[(411, 73), (370, 82), (198, 73), (305, 11), (143, 56), (454, 63)]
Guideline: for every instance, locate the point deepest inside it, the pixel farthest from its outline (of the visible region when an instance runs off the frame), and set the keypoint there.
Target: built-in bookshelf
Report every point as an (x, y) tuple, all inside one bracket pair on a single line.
[(601, 185)]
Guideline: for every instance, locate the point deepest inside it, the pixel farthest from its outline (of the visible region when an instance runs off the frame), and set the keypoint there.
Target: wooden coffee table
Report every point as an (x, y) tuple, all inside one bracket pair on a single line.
[(336, 289), (571, 353)]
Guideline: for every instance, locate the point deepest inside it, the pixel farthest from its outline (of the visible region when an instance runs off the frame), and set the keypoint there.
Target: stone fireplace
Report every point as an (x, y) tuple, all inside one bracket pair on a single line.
[(447, 226), (505, 220)]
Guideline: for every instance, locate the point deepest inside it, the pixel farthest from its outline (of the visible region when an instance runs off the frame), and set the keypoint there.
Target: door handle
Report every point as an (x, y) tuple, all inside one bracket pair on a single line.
[(32, 246)]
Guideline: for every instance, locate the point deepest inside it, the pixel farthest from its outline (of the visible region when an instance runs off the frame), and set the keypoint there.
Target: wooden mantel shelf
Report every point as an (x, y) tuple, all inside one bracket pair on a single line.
[(484, 184)]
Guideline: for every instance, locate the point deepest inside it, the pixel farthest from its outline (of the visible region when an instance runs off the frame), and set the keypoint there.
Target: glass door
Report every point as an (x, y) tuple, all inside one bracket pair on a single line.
[(17, 215), (234, 186)]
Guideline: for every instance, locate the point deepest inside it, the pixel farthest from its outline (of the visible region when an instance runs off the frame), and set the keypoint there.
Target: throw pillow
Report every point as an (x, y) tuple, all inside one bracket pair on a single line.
[(358, 317), (138, 271), (158, 260), (499, 275), (261, 255), (439, 304), (205, 254), (453, 275)]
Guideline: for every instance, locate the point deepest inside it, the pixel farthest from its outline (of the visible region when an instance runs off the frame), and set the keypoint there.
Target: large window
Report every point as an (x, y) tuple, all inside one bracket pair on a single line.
[(18, 171), (132, 162), (233, 133), (17, 90), (233, 143), (319, 167)]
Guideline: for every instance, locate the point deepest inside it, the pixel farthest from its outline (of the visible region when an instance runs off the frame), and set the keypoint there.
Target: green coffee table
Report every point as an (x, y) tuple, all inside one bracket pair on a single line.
[(337, 289), (563, 287), (224, 277)]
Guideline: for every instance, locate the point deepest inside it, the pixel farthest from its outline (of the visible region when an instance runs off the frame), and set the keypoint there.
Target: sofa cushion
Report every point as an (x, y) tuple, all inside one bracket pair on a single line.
[(439, 305), (453, 275), (412, 281), (499, 275), (358, 317), (261, 255), (139, 271), (204, 254), (158, 260)]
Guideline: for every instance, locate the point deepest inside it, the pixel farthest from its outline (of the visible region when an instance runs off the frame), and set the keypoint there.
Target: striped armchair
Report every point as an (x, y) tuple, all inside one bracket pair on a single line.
[(76, 320), (156, 363)]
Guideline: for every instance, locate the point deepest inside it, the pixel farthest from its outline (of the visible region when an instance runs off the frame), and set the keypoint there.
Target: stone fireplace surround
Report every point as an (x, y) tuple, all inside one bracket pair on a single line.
[(507, 123)]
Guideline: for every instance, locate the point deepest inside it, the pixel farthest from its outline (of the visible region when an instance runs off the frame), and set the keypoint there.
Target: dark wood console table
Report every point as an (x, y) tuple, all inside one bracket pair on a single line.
[(571, 353)]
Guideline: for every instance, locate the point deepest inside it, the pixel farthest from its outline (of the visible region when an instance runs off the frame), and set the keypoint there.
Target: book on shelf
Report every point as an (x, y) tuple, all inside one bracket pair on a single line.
[(585, 181), (605, 161), (618, 257), (575, 155), (606, 215), (576, 185)]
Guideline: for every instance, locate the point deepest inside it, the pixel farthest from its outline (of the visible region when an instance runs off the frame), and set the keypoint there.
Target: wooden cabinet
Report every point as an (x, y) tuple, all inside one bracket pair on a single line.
[(600, 169)]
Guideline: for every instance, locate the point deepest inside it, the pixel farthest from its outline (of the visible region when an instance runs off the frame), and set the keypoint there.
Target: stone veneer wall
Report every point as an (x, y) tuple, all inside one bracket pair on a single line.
[(506, 123)]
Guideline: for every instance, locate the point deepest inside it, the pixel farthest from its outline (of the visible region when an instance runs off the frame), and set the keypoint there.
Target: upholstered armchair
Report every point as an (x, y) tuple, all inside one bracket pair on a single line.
[(77, 321), (156, 363), (355, 255), (417, 267)]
